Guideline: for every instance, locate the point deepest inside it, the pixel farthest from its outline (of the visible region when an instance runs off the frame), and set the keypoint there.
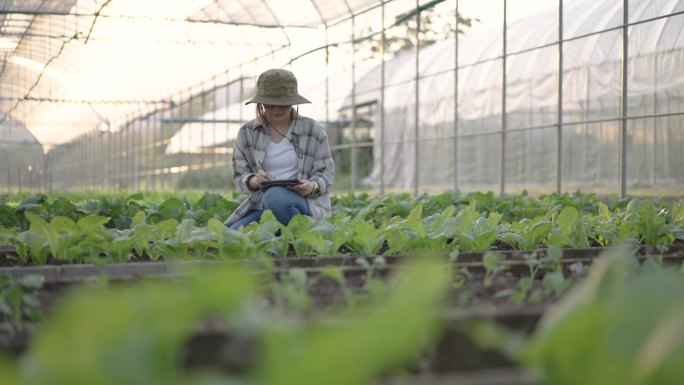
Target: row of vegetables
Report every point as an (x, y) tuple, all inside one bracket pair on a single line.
[(120, 229)]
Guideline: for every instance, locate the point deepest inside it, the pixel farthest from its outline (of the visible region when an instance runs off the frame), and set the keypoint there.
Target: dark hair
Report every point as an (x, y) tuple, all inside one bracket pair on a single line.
[(261, 114)]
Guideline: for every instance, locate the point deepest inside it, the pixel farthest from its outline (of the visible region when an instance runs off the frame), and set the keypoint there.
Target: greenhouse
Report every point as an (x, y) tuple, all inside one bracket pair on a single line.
[(463, 192), (167, 110)]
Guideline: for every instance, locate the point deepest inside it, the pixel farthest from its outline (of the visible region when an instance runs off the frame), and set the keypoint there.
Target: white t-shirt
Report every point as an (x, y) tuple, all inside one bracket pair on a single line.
[(281, 160)]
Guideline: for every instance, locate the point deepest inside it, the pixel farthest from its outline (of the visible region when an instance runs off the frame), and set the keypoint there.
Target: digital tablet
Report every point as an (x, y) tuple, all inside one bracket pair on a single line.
[(279, 182)]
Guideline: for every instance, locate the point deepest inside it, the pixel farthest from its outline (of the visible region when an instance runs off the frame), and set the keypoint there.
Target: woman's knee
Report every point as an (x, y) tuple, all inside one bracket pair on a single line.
[(285, 202), (278, 196)]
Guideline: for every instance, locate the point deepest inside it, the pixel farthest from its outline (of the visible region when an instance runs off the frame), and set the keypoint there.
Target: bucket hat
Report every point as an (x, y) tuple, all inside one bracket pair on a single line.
[(277, 87)]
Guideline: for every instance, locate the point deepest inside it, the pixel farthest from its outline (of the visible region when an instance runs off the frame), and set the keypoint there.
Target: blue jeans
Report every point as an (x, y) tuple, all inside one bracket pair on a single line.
[(283, 202)]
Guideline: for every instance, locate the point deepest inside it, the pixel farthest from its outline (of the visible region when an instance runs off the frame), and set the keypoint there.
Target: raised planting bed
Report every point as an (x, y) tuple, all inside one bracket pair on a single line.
[(322, 282), (515, 260)]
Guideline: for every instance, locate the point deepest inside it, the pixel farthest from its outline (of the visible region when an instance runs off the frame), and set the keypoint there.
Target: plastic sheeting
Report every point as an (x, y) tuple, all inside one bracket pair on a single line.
[(70, 67), (434, 152)]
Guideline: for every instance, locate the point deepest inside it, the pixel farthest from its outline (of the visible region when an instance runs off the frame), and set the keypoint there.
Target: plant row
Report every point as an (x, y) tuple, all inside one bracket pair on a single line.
[(162, 206), (456, 228)]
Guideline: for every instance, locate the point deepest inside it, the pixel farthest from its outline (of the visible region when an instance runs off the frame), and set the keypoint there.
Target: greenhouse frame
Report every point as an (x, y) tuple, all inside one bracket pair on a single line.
[(102, 95)]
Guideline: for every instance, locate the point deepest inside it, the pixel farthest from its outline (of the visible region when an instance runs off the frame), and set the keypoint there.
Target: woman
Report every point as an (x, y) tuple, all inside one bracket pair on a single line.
[(279, 144)]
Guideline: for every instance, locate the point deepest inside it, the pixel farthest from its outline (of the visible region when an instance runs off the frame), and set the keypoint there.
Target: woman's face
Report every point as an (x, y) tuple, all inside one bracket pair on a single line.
[(278, 114)]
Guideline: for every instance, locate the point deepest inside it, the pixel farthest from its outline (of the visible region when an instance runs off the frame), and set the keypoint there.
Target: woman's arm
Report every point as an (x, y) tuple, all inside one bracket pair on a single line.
[(242, 161), (323, 172)]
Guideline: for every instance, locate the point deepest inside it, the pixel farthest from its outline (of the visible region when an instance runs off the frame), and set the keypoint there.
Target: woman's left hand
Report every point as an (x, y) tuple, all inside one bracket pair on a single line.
[(304, 188)]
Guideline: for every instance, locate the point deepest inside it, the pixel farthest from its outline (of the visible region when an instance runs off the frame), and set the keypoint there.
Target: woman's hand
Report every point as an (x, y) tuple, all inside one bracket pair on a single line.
[(304, 188), (255, 181)]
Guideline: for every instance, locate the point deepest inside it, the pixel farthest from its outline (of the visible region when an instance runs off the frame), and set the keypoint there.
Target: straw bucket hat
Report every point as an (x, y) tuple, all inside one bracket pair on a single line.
[(277, 87)]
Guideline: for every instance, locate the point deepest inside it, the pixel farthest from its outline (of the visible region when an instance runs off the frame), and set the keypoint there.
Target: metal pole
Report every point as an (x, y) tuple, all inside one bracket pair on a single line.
[(227, 159), (559, 119), (203, 171), (327, 76), (382, 101), (166, 159), (139, 154), (623, 119), (214, 153), (353, 107), (46, 181), (150, 164), (416, 163), (654, 158), (502, 150), (456, 100)]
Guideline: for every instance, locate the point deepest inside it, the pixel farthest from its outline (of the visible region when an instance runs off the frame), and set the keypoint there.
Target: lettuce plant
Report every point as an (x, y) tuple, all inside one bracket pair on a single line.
[(642, 221), (527, 234), (568, 229)]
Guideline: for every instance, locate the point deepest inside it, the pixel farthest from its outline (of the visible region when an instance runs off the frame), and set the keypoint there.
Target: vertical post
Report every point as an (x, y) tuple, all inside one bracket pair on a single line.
[(227, 161), (623, 118), (167, 159), (130, 143), (94, 161), (559, 118), (131, 154), (327, 77), (416, 122), (104, 156), (456, 99), (502, 149), (654, 158), (381, 111), (140, 153), (352, 151), (150, 166), (69, 168), (199, 114), (46, 182), (214, 148), (186, 164), (82, 159), (242, 97)]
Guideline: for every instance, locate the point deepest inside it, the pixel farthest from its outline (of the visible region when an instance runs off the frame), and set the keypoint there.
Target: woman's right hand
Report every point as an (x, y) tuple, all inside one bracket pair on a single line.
[(260, 176)]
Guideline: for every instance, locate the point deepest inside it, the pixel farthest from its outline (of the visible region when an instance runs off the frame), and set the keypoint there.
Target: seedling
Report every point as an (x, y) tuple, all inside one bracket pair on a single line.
[(375, 287), (19, 305), (337, 275), (525, 284), (293, 290), (458, 276), (492, 267)]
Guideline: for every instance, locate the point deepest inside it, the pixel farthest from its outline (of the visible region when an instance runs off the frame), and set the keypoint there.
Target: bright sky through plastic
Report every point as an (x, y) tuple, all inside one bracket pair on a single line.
[(115, 63), (489, 13)]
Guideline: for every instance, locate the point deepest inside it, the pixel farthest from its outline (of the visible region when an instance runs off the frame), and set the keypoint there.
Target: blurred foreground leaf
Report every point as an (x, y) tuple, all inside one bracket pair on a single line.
[(622, 325), (137, 334), (365, 345)]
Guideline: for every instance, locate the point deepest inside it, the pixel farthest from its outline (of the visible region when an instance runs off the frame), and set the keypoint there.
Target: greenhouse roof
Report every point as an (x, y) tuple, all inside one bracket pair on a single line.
[(72, 66)]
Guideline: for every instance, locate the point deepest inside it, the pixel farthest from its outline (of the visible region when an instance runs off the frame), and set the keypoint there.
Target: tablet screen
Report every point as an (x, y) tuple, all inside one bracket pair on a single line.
[(280, 182)]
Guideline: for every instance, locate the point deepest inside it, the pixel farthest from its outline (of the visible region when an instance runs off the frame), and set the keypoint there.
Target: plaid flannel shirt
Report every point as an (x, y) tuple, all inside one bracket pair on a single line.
[(316, 164)]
